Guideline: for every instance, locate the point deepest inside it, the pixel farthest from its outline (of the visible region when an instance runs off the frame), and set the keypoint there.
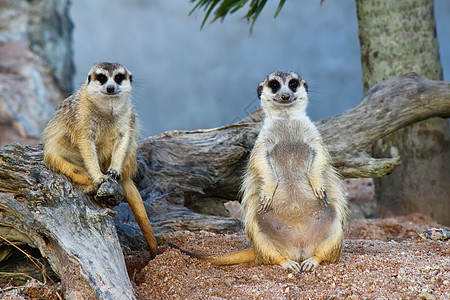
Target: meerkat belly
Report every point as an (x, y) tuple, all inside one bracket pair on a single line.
[(298, 235), (297, 223)]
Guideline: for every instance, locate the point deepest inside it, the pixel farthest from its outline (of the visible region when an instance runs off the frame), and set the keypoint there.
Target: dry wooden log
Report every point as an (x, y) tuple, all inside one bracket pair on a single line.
[(386, 107), (178, 168), (76, 235)]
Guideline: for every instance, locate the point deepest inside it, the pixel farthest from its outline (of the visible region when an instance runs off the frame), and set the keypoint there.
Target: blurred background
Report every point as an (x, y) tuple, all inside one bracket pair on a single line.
[(186, 78)]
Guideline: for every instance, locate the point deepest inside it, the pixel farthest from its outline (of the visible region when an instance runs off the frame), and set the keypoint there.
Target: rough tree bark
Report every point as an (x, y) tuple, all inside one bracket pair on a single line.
[(397, 37), (78, 237)]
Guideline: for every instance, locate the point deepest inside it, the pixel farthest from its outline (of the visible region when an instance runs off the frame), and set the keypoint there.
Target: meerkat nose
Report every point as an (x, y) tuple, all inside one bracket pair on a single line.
[(285, 97), (110, 89)]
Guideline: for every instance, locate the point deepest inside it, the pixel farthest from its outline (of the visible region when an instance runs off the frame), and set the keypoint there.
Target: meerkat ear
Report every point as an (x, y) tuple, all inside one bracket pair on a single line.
[(259, 90), (131, 78), (89, 78)]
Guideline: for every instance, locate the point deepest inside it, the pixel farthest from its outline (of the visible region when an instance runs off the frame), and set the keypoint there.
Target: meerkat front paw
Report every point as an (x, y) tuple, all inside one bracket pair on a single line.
[(114, 174), (321, 195), (318, 190), (265, 202), (266, 198)]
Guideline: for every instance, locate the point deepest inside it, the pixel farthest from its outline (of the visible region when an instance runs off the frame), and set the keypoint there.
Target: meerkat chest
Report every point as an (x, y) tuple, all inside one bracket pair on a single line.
[(290, 148), (106, 129), (107, 137)]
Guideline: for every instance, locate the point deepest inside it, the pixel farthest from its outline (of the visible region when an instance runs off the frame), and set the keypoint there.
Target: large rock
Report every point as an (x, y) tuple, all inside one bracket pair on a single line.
[(36, 65)]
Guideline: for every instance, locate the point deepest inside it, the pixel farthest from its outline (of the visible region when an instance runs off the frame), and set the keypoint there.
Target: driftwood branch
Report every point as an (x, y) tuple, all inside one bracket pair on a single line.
[(178, 169), (42, 209), (388, 106)]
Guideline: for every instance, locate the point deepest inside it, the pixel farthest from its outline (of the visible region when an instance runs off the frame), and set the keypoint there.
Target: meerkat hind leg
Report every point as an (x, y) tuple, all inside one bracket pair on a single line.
[(291, 265), (329, 250), (77, 174), (309, 264)]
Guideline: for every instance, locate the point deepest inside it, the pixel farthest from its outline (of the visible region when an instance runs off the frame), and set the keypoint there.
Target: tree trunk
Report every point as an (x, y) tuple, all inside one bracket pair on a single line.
[(398, 37)]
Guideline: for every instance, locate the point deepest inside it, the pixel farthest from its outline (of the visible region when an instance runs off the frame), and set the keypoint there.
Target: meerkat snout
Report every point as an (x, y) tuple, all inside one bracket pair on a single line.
[(110, 89), (113, 86), (285, 98)]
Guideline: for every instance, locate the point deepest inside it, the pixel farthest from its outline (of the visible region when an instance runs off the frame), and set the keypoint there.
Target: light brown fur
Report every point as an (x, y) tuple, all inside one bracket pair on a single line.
[(293, 203), (93, 135)]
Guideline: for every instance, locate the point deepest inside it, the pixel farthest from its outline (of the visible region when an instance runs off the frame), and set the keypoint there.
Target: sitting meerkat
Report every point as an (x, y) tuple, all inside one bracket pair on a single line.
[(92, 139), (293, 202)]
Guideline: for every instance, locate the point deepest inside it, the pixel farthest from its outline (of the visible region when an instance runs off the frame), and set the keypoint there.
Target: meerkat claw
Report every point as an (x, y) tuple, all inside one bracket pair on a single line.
[(114, 174), (309, 264), (321, 196), (292, 265), (264, 204), (324, 199)]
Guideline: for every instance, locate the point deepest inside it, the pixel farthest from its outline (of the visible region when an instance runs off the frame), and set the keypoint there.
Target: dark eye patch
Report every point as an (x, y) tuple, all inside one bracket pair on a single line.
[(274, 85), (119, 78), (293, 84), (102, 78)]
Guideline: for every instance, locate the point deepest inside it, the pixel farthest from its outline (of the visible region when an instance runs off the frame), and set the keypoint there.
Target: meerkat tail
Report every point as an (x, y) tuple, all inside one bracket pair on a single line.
[(137, 207), (233, 258), (243, 256)]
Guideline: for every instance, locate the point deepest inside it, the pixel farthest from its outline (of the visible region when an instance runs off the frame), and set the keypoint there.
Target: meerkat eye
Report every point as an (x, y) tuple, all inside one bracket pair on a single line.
[(274, 85), (293, 84), (119, 78), (102, 78)]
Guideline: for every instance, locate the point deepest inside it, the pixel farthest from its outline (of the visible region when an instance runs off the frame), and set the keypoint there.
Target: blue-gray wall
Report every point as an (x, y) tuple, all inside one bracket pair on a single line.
[(185, 78)]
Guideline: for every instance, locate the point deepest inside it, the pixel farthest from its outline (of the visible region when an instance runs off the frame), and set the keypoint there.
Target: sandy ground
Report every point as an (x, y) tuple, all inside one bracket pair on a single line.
[(382, 259)]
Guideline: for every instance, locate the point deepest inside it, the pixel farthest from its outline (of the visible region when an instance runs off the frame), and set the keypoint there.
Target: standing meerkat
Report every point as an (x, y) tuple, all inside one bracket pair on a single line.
[(293, 202), (92, 138)]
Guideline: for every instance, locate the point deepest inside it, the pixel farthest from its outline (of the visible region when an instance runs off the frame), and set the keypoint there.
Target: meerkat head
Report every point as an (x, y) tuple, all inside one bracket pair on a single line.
[(110, 80), (283, 90)]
